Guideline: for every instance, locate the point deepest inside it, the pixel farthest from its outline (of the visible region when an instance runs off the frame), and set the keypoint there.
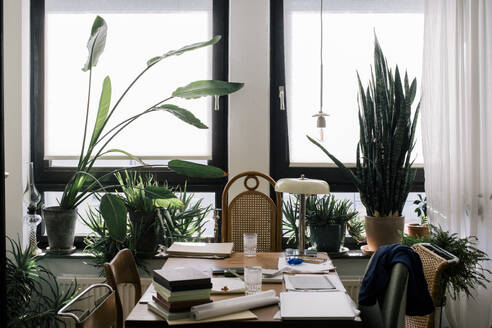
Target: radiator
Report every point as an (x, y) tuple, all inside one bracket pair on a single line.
[(352, 285), (127, 292)]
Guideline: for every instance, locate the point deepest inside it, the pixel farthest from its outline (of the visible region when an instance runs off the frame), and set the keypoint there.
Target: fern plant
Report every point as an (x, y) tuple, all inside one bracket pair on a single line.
[(383, 173)]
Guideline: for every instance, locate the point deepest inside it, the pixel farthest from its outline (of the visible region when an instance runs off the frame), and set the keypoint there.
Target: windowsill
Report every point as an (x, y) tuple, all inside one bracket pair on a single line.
[(79, 254)]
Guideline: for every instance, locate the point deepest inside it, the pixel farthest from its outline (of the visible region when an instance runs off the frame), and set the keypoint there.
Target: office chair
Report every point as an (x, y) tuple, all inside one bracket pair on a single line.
[(391, 313), (95, 307)]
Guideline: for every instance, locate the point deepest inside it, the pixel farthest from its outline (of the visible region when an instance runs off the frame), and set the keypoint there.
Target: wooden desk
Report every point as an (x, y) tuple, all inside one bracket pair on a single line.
[(140, 316)]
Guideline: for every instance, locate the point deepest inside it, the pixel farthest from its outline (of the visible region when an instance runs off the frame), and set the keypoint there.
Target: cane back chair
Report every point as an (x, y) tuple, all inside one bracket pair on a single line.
[(434, 262), (252, 211)]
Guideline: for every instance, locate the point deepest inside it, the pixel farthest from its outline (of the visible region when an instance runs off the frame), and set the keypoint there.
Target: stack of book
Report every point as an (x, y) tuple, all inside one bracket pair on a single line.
[(177, 290)]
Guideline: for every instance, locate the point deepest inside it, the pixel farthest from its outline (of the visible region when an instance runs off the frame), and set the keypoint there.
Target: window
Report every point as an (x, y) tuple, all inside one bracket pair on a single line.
[(348, 37), (137, 31)]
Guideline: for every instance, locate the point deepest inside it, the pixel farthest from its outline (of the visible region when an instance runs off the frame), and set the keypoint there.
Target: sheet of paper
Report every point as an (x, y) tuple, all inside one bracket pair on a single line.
[(305, 267), (310, 282), (147, 296), (227, 286), (333, 278), (244, 315)]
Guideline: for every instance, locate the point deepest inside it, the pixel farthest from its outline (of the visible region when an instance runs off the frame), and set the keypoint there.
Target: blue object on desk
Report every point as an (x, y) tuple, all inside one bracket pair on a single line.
[(294, 260)]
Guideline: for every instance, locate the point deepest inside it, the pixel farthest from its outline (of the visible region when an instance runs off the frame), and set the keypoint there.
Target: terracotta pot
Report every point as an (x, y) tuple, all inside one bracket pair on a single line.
[(418, 230), (60, 228), (383, 230)]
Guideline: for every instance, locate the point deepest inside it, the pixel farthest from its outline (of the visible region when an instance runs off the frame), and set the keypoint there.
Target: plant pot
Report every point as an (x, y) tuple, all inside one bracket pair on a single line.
[(383, 230), (144, 228), (60, 227), (326, 238), (418, 230)]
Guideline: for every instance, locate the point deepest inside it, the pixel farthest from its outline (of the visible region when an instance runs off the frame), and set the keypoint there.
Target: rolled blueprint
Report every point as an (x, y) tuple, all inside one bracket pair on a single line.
[(233, 305)]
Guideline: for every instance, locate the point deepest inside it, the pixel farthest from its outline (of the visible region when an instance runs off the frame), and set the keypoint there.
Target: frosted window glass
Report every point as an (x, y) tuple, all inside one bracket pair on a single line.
[(348, 37), (137, 31)]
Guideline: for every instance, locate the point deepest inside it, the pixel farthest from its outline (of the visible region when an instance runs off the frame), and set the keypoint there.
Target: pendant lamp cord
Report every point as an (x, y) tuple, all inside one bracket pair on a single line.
[(321, 57)]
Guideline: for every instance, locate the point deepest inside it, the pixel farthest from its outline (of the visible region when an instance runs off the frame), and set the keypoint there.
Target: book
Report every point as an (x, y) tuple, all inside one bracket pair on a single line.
[(157, 309), (200, 249), (181, 296), (177, 306), (315, 306), (182, 278)]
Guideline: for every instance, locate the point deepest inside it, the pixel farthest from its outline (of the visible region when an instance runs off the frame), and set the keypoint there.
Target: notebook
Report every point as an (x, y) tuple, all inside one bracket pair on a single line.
[(200, 249), (315, 306), (311, 282)]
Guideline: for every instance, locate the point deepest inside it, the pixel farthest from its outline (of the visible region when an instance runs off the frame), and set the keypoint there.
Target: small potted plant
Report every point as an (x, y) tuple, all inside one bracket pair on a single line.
[(422, 229), (383, 173), (327, 220), (60, 220)]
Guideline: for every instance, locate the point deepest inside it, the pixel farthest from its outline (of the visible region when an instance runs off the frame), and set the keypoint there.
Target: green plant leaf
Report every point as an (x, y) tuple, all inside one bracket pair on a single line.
[(158, 192), (102, 112), (195, 170), (170, 202), (184, 49), (204, 88), (114, 213), (183, 114), (96, 42)]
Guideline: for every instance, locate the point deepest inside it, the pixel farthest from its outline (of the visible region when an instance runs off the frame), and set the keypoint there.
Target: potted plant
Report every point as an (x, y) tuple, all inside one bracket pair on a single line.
[(422, 229), (383, 173), (327, 220), (60, 220)]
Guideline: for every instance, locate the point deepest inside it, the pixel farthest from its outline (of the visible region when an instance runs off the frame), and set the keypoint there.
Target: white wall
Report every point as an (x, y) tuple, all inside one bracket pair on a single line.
[(249, 62), (16, 106)]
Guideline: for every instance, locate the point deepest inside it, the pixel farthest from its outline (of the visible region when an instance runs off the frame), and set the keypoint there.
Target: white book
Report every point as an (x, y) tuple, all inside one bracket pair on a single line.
[(315, 306)]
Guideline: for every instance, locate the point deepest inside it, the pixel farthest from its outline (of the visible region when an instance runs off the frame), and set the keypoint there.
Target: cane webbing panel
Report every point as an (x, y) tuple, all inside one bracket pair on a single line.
[(252, 211), (433, 265)]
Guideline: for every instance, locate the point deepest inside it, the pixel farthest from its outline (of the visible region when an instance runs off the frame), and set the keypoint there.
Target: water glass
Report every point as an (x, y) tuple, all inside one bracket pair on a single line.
[(249, 243), (252, 279)]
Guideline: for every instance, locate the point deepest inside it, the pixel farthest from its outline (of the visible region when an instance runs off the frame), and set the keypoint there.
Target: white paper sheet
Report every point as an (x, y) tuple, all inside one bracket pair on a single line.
[(304, 267), (233, 305), (227, 286)]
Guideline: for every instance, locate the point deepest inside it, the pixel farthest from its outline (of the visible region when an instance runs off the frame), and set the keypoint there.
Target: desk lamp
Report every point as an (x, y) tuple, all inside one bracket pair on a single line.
[(303, 187)]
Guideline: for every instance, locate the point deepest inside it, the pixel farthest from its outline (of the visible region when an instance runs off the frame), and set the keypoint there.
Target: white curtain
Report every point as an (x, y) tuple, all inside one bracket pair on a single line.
[(457, 132)]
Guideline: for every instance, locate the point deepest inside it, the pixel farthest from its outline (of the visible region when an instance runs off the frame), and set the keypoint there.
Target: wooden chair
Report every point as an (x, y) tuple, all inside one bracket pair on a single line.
[(433, 264), (252, 211), (123, 270), (95, 307)]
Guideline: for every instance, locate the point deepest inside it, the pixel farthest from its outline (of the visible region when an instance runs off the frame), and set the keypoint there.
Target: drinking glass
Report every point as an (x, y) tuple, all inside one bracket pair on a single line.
[(249, 242), (252, 279)]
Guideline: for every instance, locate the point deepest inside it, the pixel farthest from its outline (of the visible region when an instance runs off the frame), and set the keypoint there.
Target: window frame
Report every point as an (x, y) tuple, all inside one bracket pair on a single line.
[(49, 178), (279, 134)]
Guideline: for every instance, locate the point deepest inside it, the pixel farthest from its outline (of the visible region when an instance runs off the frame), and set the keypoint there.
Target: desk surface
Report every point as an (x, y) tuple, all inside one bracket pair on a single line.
[(140, 316)]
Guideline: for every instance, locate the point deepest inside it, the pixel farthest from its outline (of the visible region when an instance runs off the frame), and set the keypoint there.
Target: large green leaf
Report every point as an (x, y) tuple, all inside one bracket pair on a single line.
[(114, 213), (195, 170), (183, 114), (102, 112), (158, 192), (96, 42), (184, 49), (204, 88)]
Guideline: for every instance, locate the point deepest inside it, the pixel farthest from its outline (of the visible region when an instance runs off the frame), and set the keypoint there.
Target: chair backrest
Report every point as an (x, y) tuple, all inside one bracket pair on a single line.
[(95, 307), (391, 313), (252, 211), (123, 270), (433, 266)]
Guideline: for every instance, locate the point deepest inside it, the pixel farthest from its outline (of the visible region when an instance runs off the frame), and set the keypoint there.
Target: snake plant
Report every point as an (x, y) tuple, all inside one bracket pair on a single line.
[(383, 173), (83, 182)]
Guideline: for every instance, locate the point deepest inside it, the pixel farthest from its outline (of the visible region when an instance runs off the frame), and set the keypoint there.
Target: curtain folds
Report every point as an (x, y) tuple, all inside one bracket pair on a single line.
[(457, 132)]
